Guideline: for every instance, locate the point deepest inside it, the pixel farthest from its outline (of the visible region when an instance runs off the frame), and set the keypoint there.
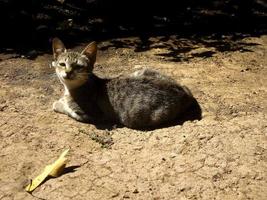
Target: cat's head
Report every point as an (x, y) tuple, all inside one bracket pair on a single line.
[(73, 68)]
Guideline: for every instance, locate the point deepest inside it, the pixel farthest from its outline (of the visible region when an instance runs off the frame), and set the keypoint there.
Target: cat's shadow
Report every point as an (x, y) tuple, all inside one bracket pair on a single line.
[(194, 112)]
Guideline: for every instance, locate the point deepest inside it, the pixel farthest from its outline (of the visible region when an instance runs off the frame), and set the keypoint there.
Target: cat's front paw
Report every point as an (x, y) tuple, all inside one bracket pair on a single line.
[(81, 117), (58, 106)]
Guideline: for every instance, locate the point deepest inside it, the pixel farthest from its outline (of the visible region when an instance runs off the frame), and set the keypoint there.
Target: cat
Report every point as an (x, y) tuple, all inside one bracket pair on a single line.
[(142, 99)]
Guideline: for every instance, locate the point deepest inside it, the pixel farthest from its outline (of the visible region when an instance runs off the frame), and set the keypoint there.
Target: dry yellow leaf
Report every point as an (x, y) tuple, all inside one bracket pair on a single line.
[(53, 170)]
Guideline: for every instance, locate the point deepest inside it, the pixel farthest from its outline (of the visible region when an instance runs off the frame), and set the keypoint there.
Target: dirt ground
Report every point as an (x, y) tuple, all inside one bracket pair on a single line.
[(222, 156)]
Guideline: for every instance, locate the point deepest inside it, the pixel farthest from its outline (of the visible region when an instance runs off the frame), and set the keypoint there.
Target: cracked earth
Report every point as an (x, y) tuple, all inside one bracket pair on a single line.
[(222, 156)]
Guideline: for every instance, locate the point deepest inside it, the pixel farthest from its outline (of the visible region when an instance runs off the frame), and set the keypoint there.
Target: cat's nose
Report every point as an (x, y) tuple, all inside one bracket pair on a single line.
[(68, 69), (68, 72)]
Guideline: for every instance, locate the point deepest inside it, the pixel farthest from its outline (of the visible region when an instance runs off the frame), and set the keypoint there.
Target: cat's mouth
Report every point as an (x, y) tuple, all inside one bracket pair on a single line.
[(68, 76)]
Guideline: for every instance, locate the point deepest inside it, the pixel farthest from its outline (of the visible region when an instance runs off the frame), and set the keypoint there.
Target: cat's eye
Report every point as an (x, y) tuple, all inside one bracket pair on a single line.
[(78, 66), (62, 64)]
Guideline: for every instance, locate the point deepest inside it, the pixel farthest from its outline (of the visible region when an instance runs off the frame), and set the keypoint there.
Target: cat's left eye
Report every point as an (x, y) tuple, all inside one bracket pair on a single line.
[(62, 64)]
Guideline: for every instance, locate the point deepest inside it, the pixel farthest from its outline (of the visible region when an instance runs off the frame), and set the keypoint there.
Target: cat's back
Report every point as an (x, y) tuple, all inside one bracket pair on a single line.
[(146, 99)]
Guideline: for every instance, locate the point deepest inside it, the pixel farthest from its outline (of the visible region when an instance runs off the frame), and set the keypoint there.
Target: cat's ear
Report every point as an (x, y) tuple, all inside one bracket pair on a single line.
[(58, 47), (90, 52)]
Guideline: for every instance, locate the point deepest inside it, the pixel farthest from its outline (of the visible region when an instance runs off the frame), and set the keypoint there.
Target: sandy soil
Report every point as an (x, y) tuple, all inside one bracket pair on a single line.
[(222, 156)]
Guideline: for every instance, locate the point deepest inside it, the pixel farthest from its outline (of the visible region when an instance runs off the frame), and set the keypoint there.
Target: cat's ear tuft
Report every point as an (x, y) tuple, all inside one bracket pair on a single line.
[(58, 47), (90, 52)]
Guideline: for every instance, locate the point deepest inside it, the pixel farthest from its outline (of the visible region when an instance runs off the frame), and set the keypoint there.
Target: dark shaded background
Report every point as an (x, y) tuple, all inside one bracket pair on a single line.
[(27, 26)]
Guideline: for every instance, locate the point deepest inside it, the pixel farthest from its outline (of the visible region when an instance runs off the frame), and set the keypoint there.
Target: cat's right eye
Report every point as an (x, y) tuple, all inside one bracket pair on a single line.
[(62, 64)]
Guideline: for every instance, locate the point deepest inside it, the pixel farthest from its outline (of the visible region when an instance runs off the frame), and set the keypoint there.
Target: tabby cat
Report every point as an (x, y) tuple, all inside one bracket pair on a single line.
[(143, 99)]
